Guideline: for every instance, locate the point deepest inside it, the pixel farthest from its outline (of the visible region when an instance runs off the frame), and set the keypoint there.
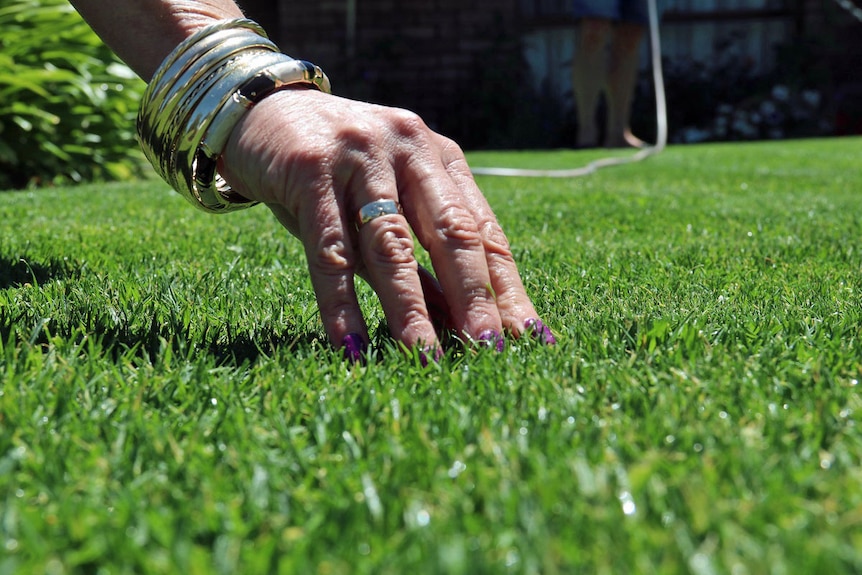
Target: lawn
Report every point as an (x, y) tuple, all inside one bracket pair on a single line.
[(168, 404)]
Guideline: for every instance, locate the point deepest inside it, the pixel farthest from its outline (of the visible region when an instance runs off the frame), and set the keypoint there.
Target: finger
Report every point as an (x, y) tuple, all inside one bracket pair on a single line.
[(517, 312), (386, 246), (331, 263), (352, 342), (445, 227), (384, 241), (435, 301)]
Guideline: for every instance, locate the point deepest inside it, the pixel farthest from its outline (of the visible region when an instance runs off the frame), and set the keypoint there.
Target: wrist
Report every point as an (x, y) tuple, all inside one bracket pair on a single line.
[(199, 93)]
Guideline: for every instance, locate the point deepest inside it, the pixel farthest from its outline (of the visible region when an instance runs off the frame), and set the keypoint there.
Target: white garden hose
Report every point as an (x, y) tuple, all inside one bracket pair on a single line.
[(852, 8), (642, 154)]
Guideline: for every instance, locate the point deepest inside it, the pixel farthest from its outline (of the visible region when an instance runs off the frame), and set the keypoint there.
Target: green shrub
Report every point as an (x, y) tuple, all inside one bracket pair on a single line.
[(67, 105)]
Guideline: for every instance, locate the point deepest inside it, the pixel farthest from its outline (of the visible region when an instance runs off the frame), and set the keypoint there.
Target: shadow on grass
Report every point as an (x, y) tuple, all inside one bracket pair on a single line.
[(19, 270), (218, 341), (157, 342), (115, 339), (119, 336)]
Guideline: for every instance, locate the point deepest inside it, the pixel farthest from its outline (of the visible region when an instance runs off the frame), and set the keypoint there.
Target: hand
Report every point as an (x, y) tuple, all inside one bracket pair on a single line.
[(316, 159)]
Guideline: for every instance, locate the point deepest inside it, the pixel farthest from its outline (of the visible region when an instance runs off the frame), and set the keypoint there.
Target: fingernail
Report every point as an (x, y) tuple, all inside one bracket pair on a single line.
[(434, 352), (491, 339), (538, 330), (353, 347)]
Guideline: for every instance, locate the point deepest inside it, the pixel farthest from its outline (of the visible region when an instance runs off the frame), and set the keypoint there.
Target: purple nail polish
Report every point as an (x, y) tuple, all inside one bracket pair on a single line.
[(491, 338), (353, 347), (425, 353), (538, 330)]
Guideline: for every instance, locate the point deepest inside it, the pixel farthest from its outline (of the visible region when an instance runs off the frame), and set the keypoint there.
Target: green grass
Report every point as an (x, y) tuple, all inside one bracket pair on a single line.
[(168, 405)]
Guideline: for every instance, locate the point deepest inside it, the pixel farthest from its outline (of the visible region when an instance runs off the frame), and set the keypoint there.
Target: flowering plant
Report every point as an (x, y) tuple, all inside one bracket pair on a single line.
[(780, 113)]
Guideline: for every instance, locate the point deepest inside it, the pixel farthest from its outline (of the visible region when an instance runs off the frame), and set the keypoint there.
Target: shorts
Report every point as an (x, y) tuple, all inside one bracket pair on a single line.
[(625, 10)]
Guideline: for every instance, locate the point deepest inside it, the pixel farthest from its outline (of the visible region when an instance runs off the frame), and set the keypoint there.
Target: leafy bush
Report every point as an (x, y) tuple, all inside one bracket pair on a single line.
[(67, 105)]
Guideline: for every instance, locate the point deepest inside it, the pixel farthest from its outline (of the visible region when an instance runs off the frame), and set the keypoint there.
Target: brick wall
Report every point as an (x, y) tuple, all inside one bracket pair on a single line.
[(420, 55)]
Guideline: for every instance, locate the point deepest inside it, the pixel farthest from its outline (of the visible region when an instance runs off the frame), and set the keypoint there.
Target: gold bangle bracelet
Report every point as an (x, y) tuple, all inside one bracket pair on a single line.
[(193, 73), (203, 40), (207, 187), (197, 96), (198, 110)]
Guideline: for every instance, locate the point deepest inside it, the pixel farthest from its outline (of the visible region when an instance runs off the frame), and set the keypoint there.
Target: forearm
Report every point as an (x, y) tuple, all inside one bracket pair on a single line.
[(143, 32)]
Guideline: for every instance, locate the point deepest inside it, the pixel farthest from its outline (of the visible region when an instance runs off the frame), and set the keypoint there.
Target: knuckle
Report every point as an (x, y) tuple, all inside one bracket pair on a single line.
[(478, 295), (358, 148), (330, 254), (495, 241), (337, 304), (412, 325), (450, 149), (358, 137), (449, 145), (391, 244), (413, 314), (408, 125), (453, 156), (456, 225)]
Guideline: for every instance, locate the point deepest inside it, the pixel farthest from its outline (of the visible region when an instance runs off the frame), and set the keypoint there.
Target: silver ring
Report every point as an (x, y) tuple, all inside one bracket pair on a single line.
[(376, 209)]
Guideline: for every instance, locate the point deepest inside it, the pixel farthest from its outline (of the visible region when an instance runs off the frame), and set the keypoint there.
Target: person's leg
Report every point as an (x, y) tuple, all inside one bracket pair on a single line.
[(623, 72), (622, 78), (589, 68)]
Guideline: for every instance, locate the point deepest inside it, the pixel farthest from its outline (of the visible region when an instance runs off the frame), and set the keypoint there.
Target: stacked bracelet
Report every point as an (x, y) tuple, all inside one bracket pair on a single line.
[(197, 96)]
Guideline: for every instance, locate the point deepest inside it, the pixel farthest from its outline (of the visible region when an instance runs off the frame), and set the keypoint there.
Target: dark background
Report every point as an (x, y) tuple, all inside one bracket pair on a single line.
[(461, 65)]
